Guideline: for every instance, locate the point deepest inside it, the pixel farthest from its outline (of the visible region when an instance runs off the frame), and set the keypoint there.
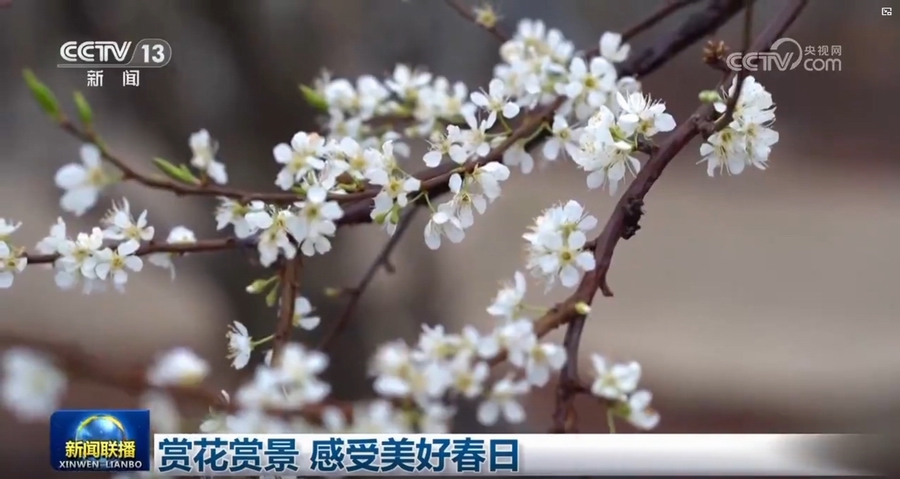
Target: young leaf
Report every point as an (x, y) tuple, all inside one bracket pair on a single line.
[(175, 172), (272, 297), (84, 110), (42, 94), (313, 97)]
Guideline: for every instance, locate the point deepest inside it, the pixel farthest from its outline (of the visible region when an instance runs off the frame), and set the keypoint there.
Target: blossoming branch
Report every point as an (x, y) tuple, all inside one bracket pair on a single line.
[(547, 103)]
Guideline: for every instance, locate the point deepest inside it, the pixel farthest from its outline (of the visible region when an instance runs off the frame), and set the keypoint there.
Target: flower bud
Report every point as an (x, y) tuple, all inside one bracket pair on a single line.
[(259, 285), (710, 96), (582, 308)]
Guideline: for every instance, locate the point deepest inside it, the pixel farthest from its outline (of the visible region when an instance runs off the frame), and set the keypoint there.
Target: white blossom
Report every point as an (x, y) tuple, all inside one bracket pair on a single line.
[(177, 367), (179, 235), (641, 115), (588, 84), (558, 256), (543, 359), (605, 159), (303, 155), (507, 304), (466, 201), (406, 82), (54, 242), (441, 145), (314, 222), (488, 177), (164, 415), (121, 225), (724, 150), (204, 149), (517, 155), (7, 228), (496, 101), (640, 414), (475, 140), (82, 182), (748, 138), (78, 260), (240, 345), (32, 385), (563, 138), (274, 239), (468, 376), (303, 314), (612, 48), (115, 263), (231, 212), (614, 381), (11, 263), (443, 223), (503, 400), (297, 375)]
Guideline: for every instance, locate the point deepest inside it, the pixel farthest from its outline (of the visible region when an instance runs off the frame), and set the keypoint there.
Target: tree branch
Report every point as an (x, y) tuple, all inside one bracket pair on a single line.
[(289, 284), (129, 173), (469, 14), (617, 226), (382, 260), (742, 73), (434, 180), (202, 246), (132, 379), (621, 224)]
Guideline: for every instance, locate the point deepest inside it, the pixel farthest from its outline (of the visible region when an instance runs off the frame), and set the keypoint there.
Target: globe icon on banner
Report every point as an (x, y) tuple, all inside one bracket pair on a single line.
[(101, 427)]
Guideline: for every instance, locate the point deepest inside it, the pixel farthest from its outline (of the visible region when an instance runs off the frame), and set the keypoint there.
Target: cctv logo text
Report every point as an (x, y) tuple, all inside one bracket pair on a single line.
[(781, 61), (95, 52)]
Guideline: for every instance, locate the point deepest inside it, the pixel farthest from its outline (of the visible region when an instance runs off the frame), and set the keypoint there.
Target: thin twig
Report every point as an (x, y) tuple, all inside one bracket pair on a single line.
[(382, 260), (618, 222), (435, 180), (718, 12), (288, 282), (469, 14), (132, 379), (728, 115), (202, 246), (129, 173), (648, 22)]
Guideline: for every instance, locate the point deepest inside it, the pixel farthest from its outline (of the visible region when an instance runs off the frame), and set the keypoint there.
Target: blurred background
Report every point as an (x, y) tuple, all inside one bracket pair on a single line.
[(765, 302)]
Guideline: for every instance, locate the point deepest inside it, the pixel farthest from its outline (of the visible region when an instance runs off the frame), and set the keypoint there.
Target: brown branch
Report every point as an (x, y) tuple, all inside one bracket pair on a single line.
[(728, 115), (648, 22), (183, 189), (132, 379), (469, 14), (618, 227), (621, 224), (289, 283), (382, 260), (661, 14), (175, 248), (695, 27)]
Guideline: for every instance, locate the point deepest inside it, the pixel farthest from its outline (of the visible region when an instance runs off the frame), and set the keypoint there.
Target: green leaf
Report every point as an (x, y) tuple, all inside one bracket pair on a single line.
[(177, 173), (85, 114), (313, 97), (42, 94), (272, 297), (260, 285)]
